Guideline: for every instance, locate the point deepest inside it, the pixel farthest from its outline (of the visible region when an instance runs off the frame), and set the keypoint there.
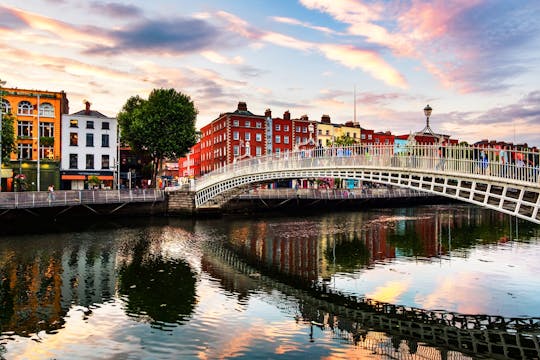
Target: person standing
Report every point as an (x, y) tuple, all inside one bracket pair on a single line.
[(51, 193)]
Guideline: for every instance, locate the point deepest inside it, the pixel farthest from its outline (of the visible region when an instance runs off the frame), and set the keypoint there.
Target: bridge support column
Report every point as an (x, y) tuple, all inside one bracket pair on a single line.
[(180, 202)]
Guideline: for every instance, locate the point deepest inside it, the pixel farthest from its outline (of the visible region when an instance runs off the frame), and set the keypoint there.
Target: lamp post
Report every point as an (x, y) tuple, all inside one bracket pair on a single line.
[(38, 149), (311, 129), (427, 112), (2, 83)]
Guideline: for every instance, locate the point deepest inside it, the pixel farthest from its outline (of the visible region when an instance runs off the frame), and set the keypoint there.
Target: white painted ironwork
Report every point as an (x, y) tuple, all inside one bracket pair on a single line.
[(503, 180), (35, 199)]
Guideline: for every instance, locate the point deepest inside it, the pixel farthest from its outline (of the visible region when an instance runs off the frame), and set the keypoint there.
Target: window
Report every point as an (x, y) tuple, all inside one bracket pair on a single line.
[(297, 140), (73, 139), (235, 135), (348, 134), (354, 135), (248, 123), (258, 137), (89, 140), (305, 129), (319, 131), (73, 161), (25, 151), (25, 108), (46, 110), (363, 136), (89, 124), (278, 127), (386, 142), (285, 139), (278, 151), (6, 107), (236, 150), (24, 128), (74, 123), (278, 139), (298, 129), (105, 125), (286, 128), (369, 136), (258, 125), (89, 161), (104, 140), (258, 151), (104, 161), (247, 136), (236, 123), (327, 132), (46, 152), (376, 140), (46, 129)]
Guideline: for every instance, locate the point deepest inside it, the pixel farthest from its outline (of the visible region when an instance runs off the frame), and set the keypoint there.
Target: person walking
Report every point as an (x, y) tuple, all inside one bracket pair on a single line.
[(51, 193)]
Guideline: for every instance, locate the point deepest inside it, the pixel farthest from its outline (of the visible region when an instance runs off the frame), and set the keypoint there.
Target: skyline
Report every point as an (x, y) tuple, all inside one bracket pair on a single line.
[(474, 62)]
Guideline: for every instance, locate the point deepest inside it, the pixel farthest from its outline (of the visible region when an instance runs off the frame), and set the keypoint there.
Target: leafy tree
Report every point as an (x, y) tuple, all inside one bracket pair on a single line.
[(162, 126), (344, 140), (8, 137)]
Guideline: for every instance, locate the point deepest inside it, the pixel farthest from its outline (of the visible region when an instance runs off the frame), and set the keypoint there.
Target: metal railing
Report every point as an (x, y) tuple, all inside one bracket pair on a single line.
[(35, 199), (332, 194), (482, 162)]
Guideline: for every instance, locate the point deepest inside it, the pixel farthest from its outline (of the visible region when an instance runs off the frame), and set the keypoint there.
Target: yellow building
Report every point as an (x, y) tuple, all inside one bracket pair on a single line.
[(38, 116), (328, 133)]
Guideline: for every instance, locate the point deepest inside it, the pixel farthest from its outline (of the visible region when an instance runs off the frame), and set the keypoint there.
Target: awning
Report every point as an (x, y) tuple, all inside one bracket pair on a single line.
[(73, 177), (105, 177)]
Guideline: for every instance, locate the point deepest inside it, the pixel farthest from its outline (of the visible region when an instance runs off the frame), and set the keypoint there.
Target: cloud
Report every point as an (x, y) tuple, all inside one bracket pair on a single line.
[(348, 55), (9, 19), (114, 9), (369, 61), (180, 35), (220, 59), (291, 21), (465, 44)]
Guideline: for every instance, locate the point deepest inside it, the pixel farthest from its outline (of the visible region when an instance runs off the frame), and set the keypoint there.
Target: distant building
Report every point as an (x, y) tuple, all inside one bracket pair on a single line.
[(89, 148)]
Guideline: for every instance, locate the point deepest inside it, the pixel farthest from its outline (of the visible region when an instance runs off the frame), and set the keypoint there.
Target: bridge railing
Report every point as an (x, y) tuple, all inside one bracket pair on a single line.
[(35, 199), (515, 164)]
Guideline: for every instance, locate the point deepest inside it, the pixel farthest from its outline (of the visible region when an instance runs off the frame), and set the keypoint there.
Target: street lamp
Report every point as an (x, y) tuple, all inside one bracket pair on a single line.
[(2, 83), (311, 129), (427, 128)]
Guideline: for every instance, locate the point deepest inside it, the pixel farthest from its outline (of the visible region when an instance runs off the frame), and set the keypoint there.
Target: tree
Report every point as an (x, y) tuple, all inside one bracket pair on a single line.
[(161, 127), (8, 137), (344, 140)]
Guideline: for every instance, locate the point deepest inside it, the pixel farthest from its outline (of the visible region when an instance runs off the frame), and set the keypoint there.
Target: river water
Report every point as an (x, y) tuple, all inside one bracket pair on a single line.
[(243, 288)]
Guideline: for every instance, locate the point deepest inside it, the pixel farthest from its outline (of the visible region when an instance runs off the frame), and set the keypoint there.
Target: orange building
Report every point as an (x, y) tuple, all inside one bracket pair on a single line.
[(38, 117)]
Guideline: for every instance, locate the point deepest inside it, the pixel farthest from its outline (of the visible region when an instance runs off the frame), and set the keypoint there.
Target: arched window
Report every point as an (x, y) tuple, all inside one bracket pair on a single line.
[(46, 110), (25, 108), (6, 107)]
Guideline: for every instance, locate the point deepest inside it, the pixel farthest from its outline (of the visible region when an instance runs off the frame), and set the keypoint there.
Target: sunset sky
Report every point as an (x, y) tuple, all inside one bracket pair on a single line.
[(475, 62)]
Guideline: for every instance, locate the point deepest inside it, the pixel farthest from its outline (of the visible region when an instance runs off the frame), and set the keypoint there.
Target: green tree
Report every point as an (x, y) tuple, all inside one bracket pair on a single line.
[(8, 137), (344, 140), (162, 126)]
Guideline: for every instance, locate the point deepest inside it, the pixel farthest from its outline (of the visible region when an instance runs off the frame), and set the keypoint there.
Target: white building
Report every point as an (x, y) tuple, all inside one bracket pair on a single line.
[(89, 149)]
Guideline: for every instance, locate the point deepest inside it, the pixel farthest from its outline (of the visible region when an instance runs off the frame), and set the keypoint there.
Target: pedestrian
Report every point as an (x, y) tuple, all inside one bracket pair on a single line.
[(51, 193)]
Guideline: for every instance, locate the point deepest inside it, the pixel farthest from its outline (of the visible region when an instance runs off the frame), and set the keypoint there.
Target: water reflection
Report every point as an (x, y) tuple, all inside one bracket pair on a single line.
[(237, 287)]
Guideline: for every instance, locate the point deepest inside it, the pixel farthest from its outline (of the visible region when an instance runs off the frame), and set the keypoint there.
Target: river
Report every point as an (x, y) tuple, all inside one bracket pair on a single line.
[(246, 287)]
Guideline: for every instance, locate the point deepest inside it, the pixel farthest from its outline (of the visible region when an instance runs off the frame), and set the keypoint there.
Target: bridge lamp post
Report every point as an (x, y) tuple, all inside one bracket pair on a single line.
[(311, 129), (427, 112), (2, 83)]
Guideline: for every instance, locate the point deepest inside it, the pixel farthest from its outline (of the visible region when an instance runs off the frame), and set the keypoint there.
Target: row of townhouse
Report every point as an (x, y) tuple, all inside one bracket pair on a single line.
[(239, 134), (55, 147)]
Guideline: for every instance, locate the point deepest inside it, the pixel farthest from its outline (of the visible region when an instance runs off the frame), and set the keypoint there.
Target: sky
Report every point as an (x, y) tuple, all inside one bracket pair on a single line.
[(475, 62)]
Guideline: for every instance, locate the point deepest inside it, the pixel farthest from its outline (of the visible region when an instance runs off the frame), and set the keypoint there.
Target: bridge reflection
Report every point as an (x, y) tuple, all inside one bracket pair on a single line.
[(299, 264)]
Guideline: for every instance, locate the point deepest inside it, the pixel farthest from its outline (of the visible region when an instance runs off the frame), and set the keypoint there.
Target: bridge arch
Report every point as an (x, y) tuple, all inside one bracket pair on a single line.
[(506, 188)]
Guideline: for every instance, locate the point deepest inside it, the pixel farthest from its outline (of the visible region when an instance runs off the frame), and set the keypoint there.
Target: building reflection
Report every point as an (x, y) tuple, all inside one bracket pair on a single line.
[(315, 249)]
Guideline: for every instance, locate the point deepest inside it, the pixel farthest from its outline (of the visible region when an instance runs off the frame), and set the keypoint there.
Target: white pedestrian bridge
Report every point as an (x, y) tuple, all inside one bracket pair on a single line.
[(498, 179)]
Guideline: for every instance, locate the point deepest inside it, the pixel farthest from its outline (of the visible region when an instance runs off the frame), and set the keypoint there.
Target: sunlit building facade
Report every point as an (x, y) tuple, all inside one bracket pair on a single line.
[(37, 128)]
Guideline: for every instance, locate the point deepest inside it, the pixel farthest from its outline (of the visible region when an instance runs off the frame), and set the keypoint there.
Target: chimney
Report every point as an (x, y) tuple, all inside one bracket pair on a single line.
[(87, 110), (287, 115), (304, 117), (325, 119), (268, 113), (242, 106)]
